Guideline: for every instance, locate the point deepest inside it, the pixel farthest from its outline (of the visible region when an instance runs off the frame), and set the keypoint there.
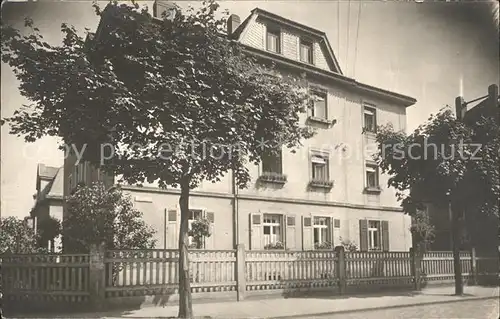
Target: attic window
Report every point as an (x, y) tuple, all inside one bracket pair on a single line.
[(273, 39), (306, 51)]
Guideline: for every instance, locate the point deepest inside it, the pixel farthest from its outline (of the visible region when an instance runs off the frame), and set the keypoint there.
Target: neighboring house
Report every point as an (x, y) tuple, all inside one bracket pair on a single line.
[(480, 233), (329, 190), (48, 197)]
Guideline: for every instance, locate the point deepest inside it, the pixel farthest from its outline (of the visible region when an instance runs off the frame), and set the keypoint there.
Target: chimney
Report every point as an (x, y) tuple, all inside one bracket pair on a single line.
[(493, 95), (233, 23)]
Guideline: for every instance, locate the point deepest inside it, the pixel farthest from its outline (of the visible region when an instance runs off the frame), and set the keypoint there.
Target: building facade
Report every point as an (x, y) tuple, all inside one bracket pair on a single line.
[(327, 192), (48, 199), (478, 231)]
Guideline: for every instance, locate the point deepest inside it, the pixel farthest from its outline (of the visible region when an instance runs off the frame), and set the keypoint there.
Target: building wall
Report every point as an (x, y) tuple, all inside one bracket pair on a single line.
[(155, 204), (348, 151), (399, 224)]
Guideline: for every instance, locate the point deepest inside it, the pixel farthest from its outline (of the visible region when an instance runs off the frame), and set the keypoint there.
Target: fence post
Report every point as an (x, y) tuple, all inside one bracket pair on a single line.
[(473, 267), (97, 277), (341, 269), (241, 285), (415, 268)]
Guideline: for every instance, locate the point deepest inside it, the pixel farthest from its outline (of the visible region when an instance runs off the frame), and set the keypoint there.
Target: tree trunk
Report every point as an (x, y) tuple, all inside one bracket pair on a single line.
[(456, 235), (185, 301)]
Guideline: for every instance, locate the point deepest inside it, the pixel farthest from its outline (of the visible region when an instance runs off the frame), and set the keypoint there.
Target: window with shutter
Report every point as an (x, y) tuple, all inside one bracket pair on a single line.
[(172, 229), (374, 237), (363, 235), (256, 240), (307, 233), (272, 229), (322, 232), (210, 241), (290, 241), (385, 235)]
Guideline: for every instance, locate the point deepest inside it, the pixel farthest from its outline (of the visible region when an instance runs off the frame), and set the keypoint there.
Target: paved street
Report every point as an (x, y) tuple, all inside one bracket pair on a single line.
[(474, 309)]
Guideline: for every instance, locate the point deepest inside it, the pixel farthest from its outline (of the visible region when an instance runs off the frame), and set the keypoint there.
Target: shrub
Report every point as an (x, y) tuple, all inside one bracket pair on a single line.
[(200, 229), (349, 245), (277, 245)]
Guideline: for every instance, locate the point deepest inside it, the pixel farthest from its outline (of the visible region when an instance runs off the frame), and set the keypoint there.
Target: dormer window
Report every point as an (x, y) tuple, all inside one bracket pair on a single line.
[(273, 40), (306, 51)]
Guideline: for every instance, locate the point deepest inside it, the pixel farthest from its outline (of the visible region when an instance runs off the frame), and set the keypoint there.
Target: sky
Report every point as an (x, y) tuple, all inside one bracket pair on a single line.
[(430, 51)]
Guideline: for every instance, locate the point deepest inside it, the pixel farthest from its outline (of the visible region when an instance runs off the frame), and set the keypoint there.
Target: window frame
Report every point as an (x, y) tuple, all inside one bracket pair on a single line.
[(278, 221), (278, 162), (326, 164), (369, 109), (319, 227), (323, 95), (372, 167), (374, 233), (276, 33), (310, 44)]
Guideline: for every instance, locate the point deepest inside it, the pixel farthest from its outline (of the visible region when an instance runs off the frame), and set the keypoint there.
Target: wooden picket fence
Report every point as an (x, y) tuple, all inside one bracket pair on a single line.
[(42, 281), (102, 276)]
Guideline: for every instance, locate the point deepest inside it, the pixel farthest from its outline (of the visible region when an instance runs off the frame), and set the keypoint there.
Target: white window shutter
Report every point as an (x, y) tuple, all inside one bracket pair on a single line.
[(307, 233), (210, 241), (256, 236), (172, 228), (291, 230), (331, 231)]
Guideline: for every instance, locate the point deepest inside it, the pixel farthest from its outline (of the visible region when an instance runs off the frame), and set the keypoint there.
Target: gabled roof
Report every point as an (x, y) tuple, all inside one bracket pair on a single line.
[(320, 35), (334, 75), (54, 189)]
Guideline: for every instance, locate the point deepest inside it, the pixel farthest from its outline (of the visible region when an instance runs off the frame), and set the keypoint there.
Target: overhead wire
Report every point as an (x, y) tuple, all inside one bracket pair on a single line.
[(356, 41), (348, 32)]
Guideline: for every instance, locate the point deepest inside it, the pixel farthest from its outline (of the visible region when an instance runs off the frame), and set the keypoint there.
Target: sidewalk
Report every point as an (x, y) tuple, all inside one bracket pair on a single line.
[(308, 306), (300, 307)]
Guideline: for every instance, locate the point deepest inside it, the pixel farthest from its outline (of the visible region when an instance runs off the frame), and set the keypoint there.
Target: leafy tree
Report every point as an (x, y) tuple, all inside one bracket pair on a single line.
[(422, 229), (49, 228), (17, 237), (177, 102), (439, 163), (96, 215)]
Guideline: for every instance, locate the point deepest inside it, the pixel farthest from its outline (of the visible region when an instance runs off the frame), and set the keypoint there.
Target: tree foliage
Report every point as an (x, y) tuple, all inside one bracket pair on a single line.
[(443, 161), (175, 101), (17, 237), (96, 215), (48, 229), (200, 229)]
